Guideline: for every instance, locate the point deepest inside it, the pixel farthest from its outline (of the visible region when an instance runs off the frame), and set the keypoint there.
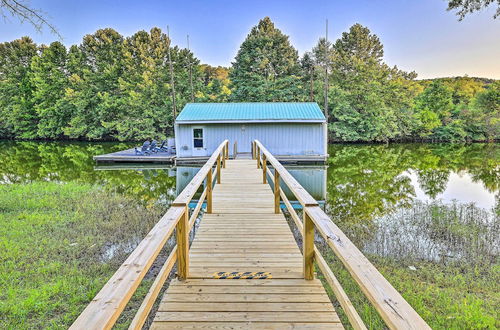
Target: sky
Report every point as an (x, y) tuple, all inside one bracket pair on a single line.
[(418, 35)]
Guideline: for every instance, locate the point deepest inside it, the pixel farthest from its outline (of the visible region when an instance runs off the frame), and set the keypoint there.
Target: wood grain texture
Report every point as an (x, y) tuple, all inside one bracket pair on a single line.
[(244, 234)]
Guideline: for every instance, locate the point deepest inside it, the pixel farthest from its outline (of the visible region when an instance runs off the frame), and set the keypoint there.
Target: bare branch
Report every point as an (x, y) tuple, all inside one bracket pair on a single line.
[(20, 9), (465, 7)]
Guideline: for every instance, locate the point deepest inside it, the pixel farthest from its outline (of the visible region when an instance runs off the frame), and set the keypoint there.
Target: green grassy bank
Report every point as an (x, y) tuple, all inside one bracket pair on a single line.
[(446, 296), (59, 244), (442, 258)]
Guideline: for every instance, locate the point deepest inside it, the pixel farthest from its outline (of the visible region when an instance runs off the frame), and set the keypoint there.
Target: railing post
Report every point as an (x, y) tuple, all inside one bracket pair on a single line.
[(218, 170), (182, 232), (224, 157), (258, 157), (308, 246), (209, 191), (264, 169), (276, 192), (253, 149), (227, 150)]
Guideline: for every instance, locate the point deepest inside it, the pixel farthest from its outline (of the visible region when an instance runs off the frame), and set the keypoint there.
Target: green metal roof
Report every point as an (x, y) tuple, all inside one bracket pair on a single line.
[(195, 112)]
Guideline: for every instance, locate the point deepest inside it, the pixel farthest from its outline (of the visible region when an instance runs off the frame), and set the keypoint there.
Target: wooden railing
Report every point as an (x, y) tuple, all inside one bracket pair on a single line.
[(103, 311), (392, 307)]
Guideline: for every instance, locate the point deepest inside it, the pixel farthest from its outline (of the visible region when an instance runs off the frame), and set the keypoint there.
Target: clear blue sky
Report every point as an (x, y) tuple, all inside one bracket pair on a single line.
[(417, 35)]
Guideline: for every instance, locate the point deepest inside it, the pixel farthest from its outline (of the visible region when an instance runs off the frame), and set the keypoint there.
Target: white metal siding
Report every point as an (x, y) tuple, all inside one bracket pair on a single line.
[(279, 138)]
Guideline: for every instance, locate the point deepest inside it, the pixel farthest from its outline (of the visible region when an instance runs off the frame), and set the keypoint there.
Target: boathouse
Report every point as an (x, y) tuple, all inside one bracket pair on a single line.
[(291, 131)]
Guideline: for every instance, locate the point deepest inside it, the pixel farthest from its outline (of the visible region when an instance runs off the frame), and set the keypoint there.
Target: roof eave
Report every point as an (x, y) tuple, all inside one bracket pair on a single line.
[(249, 121)]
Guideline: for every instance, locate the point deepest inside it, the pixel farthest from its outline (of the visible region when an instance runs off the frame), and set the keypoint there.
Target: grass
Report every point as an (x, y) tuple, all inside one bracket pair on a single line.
[(59, 244), (442, 258), (446, 296)]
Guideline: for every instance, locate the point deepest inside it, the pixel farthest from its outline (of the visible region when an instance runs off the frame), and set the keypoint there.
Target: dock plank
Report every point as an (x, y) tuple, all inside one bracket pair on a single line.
[(243, 234)]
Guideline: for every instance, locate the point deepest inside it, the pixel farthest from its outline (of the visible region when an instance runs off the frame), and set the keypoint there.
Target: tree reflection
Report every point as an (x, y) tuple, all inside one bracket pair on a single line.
[(24, 162), (370, 181)]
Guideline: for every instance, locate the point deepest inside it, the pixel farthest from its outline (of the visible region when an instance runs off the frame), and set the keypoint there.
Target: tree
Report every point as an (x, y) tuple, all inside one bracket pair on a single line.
[(266, 67), (366, 94), (18, 119), (215, 84), (94, 91), (308, 74), (145, 106), (433, 108), (49, 79), (465, 7), (488, 104)]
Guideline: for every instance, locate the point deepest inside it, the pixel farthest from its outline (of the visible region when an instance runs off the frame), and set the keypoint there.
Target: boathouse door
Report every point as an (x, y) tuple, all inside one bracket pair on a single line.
[(199, 147)]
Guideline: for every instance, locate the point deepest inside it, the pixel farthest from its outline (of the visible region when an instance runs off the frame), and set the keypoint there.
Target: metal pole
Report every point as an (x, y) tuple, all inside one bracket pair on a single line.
[(172, 82), (190, 72), (326, 72)]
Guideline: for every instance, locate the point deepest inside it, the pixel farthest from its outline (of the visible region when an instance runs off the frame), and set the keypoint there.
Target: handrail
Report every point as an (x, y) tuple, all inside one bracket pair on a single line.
[(154, 290), (103, 311), (343, 299), (392, 307)]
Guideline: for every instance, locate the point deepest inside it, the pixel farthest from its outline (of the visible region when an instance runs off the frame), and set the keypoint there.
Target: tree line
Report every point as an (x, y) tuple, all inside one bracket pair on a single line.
[(112, 87)]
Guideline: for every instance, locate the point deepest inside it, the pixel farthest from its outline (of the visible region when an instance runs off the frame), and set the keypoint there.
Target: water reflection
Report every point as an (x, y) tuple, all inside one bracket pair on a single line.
[(369, 181), (365, 187), (25, 162)]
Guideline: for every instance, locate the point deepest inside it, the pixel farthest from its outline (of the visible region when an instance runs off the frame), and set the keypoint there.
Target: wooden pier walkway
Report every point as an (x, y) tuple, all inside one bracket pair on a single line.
[(243, 234), (244, 269)]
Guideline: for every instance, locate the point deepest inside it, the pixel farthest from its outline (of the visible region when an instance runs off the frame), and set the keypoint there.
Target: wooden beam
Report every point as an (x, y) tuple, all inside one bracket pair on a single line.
[(276, 192), (302, 195), (209, 192), (145, 308), (182, 232), (224, 156), (192, 187), (264, 169), (353, 316), (143, 311), (218, 169), (258, 157), (308, 247), (197, 209), (103, 311), (392, 307)]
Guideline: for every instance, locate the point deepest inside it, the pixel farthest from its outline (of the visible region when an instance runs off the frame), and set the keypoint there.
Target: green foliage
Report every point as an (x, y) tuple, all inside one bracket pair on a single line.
[(115, 88), (266, 67), (488, 105), (365, 90), (107, 88), (48, 80), (16, 110), (216, 82)]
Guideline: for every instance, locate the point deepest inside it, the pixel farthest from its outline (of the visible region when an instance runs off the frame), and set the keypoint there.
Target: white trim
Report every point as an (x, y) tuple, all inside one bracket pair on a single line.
[(203, 149), (257, 121)]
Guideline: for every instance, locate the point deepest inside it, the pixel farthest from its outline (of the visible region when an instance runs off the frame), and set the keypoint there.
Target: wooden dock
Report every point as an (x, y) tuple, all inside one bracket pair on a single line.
[(130, 156), (244, 269), (243, 234)]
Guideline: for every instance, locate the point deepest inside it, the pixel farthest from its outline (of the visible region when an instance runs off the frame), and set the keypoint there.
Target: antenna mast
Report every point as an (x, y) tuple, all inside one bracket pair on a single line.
[(171, 74), (190, 72), (326, 71)]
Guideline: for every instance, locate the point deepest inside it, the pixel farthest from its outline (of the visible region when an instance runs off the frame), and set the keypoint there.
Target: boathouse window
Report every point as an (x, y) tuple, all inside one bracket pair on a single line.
[(198, 137)]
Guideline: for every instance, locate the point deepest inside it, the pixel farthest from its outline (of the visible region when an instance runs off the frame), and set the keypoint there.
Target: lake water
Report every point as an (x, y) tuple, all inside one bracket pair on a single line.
[(396, 200)]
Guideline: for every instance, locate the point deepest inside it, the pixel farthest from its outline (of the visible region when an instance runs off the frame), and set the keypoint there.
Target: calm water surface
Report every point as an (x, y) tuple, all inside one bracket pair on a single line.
[(417, 193)]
